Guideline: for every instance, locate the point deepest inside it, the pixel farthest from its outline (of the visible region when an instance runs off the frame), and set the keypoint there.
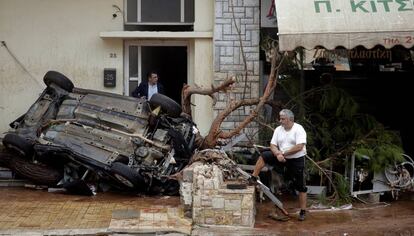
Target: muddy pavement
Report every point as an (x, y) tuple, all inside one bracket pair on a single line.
[(42, 213), (391, 218), (25, 211)]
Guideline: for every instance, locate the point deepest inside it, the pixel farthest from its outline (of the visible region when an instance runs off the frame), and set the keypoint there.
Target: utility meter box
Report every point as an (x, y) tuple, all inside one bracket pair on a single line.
[(109, 77)]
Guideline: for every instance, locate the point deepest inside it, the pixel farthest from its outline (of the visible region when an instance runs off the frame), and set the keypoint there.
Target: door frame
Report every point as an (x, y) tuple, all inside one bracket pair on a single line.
[(145, 43)]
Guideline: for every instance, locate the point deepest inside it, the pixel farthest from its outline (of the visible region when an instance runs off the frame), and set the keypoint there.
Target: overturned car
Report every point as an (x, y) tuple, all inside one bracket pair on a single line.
[(75, 136)]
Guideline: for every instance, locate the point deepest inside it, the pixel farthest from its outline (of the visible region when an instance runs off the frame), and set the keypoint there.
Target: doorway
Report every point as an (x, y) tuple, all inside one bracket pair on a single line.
[(168, 60)]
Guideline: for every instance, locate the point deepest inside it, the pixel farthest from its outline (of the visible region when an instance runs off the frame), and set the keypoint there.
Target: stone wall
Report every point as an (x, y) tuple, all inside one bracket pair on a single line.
[(228, 56), (207, 200)]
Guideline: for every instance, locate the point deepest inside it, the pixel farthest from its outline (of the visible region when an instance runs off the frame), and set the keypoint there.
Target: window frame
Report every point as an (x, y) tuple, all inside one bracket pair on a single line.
[(139, 22), (144, 43)]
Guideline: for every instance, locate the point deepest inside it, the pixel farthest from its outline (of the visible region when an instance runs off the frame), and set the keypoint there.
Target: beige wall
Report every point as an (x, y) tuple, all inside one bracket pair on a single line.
[(203, 64), (54, 35)]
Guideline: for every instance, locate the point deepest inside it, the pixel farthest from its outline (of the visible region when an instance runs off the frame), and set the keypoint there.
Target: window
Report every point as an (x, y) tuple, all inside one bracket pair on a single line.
[(159, 12)]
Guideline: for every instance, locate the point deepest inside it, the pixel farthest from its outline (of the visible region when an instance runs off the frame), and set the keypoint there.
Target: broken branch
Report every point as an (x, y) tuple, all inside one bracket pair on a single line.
[(215, 133), (187, 91)]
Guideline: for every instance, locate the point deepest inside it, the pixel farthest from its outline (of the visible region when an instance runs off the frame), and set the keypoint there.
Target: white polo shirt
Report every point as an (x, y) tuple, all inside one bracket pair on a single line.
[(285, 140)]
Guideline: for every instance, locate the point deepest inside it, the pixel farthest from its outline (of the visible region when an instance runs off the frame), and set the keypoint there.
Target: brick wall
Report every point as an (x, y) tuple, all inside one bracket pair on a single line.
[(228, 59)]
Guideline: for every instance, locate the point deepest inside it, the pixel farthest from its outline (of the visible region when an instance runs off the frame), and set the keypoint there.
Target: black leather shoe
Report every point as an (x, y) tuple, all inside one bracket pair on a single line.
[(252, 180), (302, 215)]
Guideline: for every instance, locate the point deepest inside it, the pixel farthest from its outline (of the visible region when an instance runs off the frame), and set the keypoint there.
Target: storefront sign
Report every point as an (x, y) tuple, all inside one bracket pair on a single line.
[(347, 23)]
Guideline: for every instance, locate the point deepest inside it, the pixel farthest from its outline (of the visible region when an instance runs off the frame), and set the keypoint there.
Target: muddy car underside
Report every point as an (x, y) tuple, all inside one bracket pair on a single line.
[(93, 135)]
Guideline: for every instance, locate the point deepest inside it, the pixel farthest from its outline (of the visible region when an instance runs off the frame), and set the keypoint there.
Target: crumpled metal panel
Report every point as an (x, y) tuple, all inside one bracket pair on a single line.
[(126, 106), (94, 143), (125, 115)]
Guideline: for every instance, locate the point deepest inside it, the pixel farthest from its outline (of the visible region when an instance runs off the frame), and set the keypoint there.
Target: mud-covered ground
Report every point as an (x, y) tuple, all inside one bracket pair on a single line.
[(384, 218), (27, 210)]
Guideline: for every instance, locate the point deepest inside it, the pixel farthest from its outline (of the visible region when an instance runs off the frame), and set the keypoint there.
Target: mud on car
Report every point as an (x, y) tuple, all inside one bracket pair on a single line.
[(72, 135)]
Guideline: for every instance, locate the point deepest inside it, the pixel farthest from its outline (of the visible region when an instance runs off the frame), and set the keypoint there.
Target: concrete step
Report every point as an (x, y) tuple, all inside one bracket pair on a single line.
[(5, 173), (12, 182)]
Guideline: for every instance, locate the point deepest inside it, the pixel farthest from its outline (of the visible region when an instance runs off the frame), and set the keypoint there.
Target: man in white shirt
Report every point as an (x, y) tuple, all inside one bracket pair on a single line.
[(287, 148), (152, 89), (148, 88)]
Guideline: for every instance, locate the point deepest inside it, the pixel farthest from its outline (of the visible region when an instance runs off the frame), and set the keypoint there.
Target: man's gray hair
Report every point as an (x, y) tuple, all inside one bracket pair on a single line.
[(288, 113)]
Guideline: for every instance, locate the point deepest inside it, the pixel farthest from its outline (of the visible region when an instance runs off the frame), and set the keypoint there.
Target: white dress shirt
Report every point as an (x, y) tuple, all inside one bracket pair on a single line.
[(152, 89)]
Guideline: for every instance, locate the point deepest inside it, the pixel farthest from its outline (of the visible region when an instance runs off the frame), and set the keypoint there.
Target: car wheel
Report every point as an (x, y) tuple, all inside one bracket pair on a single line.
[(168, 105), (54, 77), (126, 176), (36, 172), (18, 144)]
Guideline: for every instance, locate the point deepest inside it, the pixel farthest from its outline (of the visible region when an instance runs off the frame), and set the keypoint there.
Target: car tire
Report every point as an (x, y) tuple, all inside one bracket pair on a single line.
[(54, 77), (168, 105), (36, 172), (125, 175), (18, 144)]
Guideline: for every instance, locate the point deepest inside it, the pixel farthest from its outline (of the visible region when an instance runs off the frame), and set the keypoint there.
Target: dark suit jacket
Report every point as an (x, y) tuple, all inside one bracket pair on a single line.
[(142, 90)]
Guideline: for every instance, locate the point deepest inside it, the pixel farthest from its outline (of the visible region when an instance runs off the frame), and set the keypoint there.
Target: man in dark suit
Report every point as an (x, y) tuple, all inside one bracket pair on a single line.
[(148, 88)]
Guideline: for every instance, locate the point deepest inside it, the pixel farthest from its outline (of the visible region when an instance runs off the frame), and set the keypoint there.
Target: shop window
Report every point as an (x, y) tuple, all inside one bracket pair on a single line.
[(396, 59)]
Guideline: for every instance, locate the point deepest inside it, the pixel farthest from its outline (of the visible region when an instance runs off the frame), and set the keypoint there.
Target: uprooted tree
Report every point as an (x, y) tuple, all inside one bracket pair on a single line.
[(216, 133)]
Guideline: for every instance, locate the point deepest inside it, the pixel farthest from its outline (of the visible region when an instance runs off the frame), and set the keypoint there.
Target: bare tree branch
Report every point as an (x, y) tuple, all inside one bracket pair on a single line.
[(262, 123), (215, 133), (187, 91), (335, 193)]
